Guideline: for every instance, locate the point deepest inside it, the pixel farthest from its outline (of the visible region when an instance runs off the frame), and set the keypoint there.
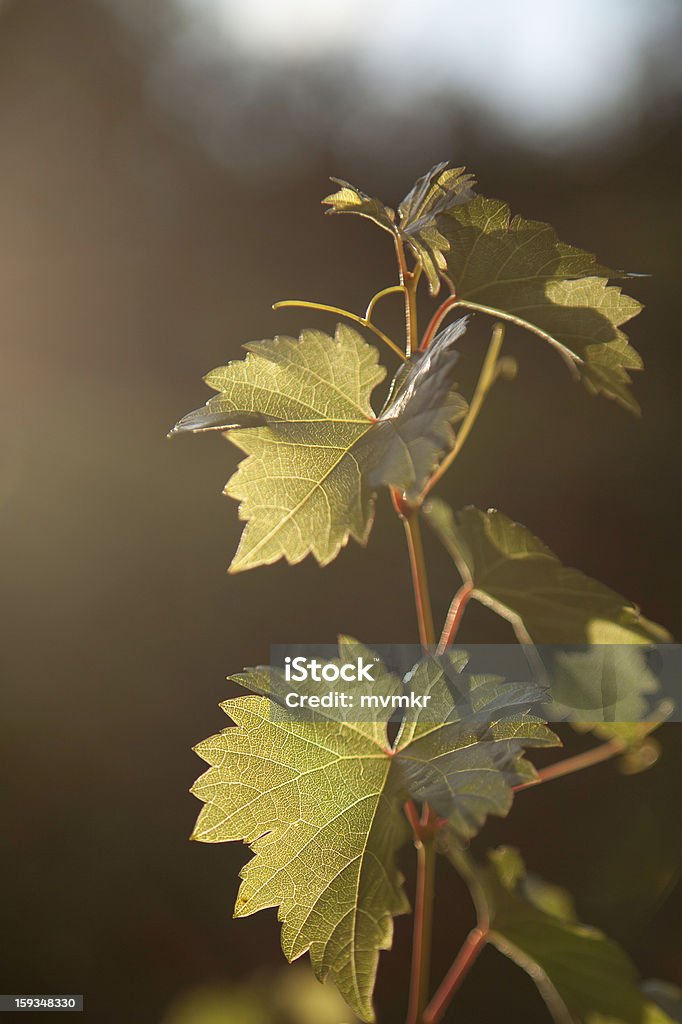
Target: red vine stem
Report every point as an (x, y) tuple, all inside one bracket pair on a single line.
[(420, 585), (466, 958), (436, 320), (604, 752), (424, 833), (454, 616)]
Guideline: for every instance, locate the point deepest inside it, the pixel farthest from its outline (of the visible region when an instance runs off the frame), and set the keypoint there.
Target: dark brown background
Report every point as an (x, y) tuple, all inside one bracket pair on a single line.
[(131, 263)]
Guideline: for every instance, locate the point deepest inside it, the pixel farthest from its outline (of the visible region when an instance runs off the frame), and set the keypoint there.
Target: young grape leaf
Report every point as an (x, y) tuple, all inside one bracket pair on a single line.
[(438, 191), (316, 451), (350, 199), (320, 801), (517, 269), (584, 977)]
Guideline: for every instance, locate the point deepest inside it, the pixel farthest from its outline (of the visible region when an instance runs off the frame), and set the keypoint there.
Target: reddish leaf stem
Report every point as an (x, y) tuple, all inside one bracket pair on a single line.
[(423, 920), (436, 320), (454, 617), (465, 960), (424, 830), (410, 517), (604, 752)]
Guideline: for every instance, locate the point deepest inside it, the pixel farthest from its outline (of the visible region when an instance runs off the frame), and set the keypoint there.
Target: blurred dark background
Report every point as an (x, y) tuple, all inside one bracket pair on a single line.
[(161, 166)]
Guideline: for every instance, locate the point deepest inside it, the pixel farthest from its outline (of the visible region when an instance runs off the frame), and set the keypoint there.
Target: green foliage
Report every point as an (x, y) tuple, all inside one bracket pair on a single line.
[(317, 451), (326, 803), (440, 190), (518, 269), (583, 976), (517, 576), (513, 268), (320, 803)]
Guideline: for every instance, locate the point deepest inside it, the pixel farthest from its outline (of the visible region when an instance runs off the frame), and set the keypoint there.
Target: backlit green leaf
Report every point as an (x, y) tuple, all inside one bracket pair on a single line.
[(584, 977), (320, 802), (517, 576), (616, 681), (349, 199), (518, 269), (300, 409)]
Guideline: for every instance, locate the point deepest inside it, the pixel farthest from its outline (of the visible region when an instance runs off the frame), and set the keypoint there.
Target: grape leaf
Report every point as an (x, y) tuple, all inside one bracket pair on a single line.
[(320, 801), (517, 269), (438, 191), (517, 576), (617, 681), (445, 755), (316, 451), (584, 977), (350, 199)]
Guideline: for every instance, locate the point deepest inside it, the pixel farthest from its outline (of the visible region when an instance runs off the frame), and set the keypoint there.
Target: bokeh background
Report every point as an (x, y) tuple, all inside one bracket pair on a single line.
[(161, 166)]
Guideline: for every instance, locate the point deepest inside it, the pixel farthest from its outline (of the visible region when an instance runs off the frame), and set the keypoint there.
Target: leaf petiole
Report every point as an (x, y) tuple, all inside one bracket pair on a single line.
[(571, 359), (436, 320), (485, 382), (465, 960), (380, 295), (473, 945), (363, 321), (596, 755), (410, 517), (454, 617)]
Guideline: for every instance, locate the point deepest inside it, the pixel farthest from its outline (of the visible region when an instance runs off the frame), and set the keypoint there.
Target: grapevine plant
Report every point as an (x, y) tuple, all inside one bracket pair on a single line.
[(325, 805)]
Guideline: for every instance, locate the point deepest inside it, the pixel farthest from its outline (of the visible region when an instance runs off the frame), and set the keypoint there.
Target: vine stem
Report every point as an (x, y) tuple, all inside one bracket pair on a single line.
[(355, 317), (420, 584), (437, 319), (485, 382), (409, 280), (603, 752), (464, 961), (454, 616), (424, 832)]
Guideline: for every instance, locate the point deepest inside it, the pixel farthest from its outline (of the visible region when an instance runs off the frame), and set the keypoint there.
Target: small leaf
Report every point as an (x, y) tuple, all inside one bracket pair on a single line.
[(320, 802), (517, 576), (518, 269), (350, 199), (438, 191), (584, 977), (316, 451)]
